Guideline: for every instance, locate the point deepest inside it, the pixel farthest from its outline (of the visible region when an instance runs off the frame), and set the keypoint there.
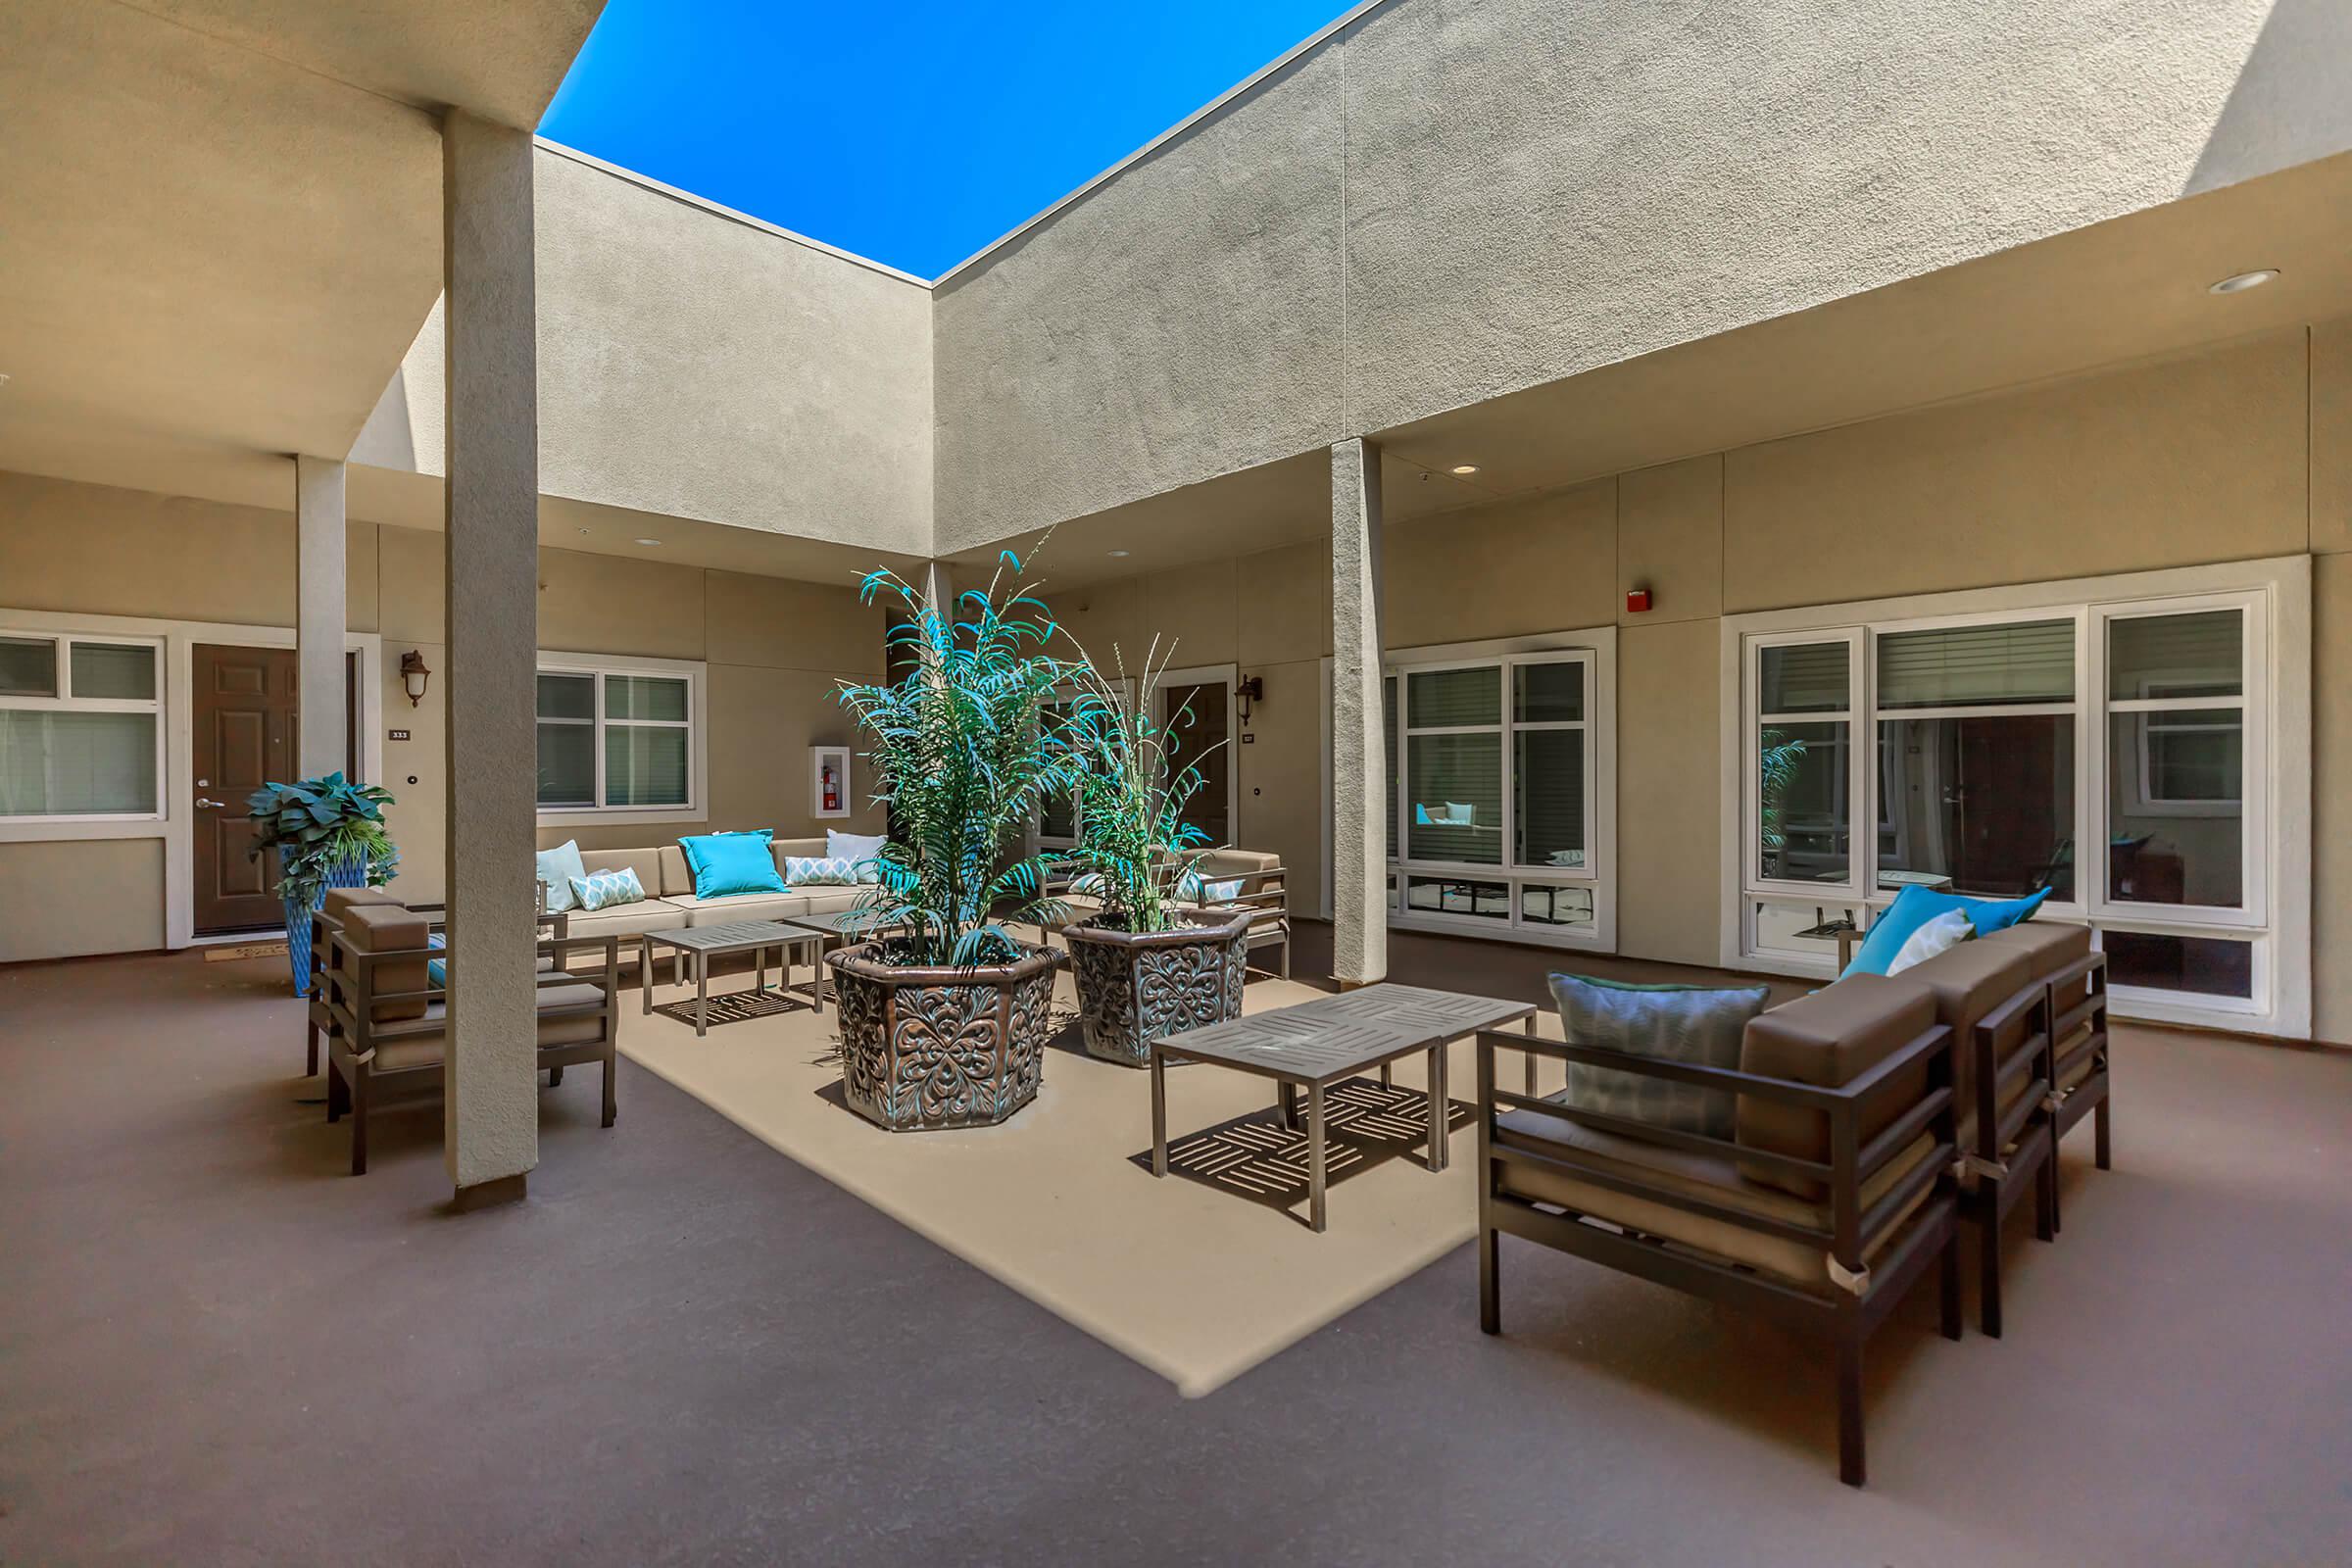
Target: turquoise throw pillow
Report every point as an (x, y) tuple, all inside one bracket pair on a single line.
[(557, 867), (728, 863), (436, 971), (1915, 906)]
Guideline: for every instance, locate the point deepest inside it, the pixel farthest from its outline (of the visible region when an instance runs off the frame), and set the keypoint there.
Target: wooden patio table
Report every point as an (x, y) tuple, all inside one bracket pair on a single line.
[(1318, 1044)]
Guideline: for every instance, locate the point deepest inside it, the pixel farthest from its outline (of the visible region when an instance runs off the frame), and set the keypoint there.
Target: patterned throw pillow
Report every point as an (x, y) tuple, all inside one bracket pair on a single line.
[(1090, 883), (859, 848), (1222, 892), (604, 890), (1674, 1023), (819, 872)]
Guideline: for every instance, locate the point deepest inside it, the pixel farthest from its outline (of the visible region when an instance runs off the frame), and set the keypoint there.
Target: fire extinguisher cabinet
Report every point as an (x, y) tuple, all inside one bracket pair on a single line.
[(829, 781)]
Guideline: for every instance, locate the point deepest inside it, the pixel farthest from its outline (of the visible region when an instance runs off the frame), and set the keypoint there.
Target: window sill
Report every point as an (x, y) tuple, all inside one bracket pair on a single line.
[(620, 815)]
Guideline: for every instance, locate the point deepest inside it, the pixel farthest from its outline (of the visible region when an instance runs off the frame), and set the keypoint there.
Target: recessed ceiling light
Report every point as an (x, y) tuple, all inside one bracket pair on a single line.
[(1465, 470), (583, 530), (1118, 555), (2240, 282), (649, 543)]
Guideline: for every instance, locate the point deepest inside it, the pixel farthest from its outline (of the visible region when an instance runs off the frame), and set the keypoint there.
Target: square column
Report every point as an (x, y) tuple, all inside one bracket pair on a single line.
[(490, 1111), (319, 549), (1359, 840)]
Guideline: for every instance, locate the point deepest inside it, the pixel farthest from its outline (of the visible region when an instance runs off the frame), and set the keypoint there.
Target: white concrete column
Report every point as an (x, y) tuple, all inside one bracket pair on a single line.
[(319, 614), (491, 1105), (1359, 841)]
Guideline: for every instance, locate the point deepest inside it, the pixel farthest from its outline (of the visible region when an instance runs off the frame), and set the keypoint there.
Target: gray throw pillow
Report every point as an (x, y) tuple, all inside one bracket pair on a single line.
[(1678, 1023)]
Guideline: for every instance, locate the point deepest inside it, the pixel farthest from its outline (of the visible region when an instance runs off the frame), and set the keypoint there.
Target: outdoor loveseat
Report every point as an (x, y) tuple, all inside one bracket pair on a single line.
[(386, 1023), (1870, 1116)]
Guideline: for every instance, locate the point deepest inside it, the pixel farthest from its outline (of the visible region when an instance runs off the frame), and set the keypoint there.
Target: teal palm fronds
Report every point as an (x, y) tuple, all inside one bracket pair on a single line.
[(1132, 794), (965, 753)]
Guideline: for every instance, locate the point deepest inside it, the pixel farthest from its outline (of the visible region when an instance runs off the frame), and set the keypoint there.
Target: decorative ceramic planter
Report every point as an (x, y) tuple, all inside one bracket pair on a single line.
[(1134, 988), (348, 874), (932, 1047)]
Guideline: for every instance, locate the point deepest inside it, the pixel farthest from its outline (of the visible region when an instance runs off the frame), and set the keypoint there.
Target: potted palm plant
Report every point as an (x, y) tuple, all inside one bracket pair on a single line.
[(944, 1012), (329, 832), (1149, 963)]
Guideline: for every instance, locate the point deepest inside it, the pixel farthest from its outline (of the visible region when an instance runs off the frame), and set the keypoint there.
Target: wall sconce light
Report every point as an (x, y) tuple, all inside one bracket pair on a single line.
[(1251, 689), (414, 676)]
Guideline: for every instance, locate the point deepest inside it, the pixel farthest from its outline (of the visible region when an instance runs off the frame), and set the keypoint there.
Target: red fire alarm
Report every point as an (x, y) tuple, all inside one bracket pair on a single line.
[(1637, 600)]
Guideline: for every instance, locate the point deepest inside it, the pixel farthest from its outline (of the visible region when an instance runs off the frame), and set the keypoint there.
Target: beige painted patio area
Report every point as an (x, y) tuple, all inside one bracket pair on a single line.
[(1198, 1283)]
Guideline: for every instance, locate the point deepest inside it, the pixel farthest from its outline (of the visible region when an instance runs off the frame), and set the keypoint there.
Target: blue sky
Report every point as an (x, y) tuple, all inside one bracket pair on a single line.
[(914, 132)]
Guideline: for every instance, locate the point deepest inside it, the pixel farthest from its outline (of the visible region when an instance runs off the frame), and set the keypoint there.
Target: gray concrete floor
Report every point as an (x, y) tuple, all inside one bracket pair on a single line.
[(216, 1347)]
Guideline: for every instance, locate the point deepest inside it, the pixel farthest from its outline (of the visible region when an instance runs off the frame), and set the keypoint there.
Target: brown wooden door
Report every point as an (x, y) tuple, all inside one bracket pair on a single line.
[(1197, 715), (245, 711)]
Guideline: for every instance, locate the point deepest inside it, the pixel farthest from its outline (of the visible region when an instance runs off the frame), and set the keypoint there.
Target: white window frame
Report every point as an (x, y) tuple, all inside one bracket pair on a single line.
[(176, 829), (1595, 649), (2275, 596), (65, 701), (696, 725)]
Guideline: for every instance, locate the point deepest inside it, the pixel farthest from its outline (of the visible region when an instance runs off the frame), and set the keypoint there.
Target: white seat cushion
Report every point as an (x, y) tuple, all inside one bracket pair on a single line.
[(738, 906)]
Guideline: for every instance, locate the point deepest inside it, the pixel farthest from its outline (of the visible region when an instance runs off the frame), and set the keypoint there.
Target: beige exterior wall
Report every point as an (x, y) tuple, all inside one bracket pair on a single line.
[(65, 900), (2241, 453), (775, 649)]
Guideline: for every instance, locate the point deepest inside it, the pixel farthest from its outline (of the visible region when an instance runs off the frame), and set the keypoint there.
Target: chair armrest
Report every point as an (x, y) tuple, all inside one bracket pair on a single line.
[(1850, 1162)]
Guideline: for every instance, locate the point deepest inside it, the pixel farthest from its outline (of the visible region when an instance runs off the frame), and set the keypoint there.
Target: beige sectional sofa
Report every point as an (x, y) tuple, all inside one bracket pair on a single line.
[(672, 903)]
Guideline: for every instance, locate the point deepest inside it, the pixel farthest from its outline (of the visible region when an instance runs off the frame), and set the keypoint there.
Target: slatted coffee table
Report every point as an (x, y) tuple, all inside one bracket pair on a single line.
[(1318, 1044), (699, 944)]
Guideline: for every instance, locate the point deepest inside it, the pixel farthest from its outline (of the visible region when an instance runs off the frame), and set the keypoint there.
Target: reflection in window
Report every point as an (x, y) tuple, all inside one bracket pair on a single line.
[(2184, 848), (1456, 785), (1490, 901), (1565, 905), (1548, 814), (1985, 803), (2206, 966), (1802, 820)]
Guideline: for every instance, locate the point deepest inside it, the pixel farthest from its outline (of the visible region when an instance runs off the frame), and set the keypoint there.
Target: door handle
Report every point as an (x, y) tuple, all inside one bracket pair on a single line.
[(201, 801)]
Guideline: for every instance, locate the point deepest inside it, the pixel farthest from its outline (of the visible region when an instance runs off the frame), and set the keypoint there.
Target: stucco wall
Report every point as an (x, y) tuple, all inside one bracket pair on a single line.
[(775, 649), (694, 364), (1460, 198)]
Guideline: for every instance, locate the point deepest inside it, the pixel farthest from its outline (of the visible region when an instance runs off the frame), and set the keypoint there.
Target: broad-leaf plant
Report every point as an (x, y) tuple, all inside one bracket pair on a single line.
[(318, 825)]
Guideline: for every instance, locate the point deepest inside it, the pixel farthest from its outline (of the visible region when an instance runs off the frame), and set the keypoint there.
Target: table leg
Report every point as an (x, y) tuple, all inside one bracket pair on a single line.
[(702, 993), (1286, 1105), (645, 972), (1437, 1106), (1159, 1115), (1531, 1057), (759, 968), (1315, 1161), (1383, 1075), (821, 975)]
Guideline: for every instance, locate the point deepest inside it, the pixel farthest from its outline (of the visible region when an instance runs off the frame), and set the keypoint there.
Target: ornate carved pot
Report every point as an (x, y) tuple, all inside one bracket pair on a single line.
[(930, 1048), (1133, 987)]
